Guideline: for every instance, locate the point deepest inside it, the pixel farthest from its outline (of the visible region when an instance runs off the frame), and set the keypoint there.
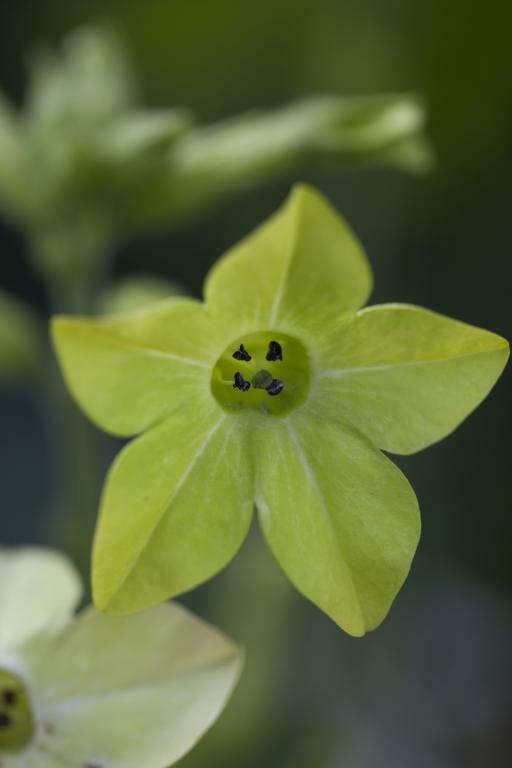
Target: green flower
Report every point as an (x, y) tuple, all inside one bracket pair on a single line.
[(100, 691), (276, 392)]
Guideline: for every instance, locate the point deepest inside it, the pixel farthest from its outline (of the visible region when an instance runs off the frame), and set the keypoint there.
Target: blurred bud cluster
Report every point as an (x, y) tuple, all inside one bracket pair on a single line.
[(84, 165), (74, 163)]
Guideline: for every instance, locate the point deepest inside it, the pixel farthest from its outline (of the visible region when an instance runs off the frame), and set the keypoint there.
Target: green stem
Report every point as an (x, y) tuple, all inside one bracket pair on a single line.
[(78, 450)]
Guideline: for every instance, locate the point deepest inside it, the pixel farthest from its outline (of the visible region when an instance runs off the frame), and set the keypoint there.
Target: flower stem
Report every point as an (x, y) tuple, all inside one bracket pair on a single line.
[(77, 449)]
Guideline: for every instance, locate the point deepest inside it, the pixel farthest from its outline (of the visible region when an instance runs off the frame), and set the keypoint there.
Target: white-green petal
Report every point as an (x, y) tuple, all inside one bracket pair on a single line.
[(23, 761), (129, 372), (37, 758), (39, 590), (125, 692), (300, 268), (176, 508), (340, 518), (406, 377)]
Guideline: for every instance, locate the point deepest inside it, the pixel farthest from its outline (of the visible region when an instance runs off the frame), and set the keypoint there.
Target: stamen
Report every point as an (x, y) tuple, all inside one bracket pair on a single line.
[(275, 351), (243, 368), (242, 354), (9, 697), (240, 383), (275, 387)]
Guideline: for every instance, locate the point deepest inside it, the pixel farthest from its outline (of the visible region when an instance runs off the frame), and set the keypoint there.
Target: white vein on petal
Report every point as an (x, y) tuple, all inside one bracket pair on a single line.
[(116, 341), (201, 449), (311, 476), (340, 372), (286, 269)]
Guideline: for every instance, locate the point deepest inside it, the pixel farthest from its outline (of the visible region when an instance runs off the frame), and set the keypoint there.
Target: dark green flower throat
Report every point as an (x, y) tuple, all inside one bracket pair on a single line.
[(263, 371), (16, 721)]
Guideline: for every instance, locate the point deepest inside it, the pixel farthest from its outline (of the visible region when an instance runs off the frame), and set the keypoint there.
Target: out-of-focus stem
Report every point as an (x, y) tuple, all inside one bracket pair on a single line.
[(77, 449)]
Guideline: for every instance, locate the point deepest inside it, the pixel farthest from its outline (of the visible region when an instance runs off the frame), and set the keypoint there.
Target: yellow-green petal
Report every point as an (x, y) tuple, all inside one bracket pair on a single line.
[(39, 590), (300, 268), (407, 377), (176, 508), (340, 518), (125, 692), (129, 372)]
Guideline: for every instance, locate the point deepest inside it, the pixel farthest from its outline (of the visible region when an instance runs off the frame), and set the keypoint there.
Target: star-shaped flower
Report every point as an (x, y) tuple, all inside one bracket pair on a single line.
[(100, 691), (276, 392)]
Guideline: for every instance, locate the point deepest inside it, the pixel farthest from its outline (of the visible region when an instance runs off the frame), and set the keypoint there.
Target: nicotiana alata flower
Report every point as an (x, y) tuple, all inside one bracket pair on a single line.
[(100, 691), (276, 392)]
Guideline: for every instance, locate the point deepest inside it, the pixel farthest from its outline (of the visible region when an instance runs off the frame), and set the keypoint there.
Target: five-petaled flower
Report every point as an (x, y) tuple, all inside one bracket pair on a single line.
[(278, 392), (100, 691)]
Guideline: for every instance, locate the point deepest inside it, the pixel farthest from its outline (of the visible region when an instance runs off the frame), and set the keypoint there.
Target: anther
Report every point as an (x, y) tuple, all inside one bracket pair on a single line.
[(242, 354), (275, 387), (240, 383), (9, 697), (275, 351)]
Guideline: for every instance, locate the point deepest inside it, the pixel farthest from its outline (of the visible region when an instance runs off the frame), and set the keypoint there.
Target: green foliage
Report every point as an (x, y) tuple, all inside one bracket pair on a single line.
[(21, 339), (106, 166), (341, 132), (100, 690), (136, 291), (338, 515), (93, 148)]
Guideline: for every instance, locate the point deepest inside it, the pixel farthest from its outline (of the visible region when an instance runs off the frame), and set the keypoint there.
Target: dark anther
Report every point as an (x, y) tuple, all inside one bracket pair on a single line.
[(240, 383), (242, 354), (5, 720), (275, 351), (275, 387), (9, 697)]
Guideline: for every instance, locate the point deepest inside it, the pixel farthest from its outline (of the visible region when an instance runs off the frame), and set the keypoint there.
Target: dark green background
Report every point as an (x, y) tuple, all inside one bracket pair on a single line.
[(432, 687)]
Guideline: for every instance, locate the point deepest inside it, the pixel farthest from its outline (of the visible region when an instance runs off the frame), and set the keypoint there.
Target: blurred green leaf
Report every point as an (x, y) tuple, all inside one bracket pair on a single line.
[(72, 249), (21, 338), (380, 130), (210, 162), (139, 132), (370, 123), (85, 166), (12, 158), (93, 151), (135, 292), (91, 81)]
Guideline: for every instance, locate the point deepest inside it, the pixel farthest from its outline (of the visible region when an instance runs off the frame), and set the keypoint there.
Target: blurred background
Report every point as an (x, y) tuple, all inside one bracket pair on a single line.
[(433, 686)]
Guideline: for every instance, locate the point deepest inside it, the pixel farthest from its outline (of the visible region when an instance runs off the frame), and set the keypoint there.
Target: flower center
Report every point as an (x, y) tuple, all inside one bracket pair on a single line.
[(262, 371), (16, 721)]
